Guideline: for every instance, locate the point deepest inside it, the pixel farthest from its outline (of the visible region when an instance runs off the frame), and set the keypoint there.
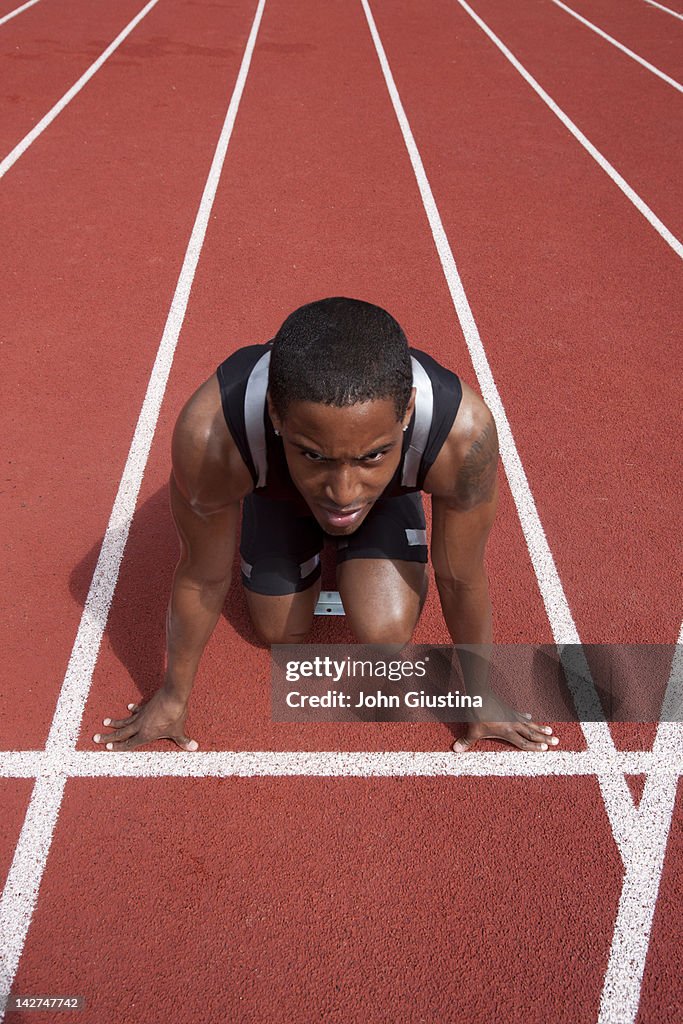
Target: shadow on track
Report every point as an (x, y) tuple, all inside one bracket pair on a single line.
[(136, 625)]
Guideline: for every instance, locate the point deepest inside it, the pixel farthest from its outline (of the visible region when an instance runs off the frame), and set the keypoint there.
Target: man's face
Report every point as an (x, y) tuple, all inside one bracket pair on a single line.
[(341, 459)]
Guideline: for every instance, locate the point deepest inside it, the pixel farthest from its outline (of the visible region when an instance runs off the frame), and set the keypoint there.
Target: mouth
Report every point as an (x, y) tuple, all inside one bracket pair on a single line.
[(341, 517)]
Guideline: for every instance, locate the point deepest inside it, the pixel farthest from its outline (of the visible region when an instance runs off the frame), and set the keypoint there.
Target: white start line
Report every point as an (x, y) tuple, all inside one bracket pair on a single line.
[(640, 833), (222, 764)]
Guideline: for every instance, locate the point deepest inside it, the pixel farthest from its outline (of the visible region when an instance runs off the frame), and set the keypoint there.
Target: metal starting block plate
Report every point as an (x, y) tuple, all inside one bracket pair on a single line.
[(329, 603)]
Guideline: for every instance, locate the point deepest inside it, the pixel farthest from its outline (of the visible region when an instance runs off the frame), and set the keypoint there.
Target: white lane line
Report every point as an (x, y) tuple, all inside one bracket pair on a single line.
[(22, 146), (620, 46), (642, 851), (616, 794), (602, 161), (663, 8), (18, 10), (19, 897), (74, 693), (623, 979), (18, 764), (23, 880), (626, 966)]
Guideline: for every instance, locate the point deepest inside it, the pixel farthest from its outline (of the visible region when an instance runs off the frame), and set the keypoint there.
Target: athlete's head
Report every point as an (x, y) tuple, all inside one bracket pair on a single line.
[(340, 394), (339, 352)]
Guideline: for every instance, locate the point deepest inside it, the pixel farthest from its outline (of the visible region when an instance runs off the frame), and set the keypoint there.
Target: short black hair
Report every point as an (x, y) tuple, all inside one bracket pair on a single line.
[(340, 351)]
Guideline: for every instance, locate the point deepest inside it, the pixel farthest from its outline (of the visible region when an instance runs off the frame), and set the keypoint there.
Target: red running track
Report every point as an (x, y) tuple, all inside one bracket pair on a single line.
[(268, 899)]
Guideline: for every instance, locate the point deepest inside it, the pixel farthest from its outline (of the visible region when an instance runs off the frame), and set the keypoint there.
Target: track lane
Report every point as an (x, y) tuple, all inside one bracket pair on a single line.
[(652, 33), (648, 65), (560, 271), (25, 876), (349, 900), (639, 887), (666, 8), (96, 234), (631, 116), (9, 11), (45, 50)]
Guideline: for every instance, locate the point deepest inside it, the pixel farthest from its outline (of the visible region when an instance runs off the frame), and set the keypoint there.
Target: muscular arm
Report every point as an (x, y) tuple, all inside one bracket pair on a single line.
[(464, 501), (207, 482), (200, 584), (464, 506)]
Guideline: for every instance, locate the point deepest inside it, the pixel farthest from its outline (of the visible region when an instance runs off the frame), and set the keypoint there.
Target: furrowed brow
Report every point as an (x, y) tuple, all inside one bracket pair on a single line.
[(379, 449)]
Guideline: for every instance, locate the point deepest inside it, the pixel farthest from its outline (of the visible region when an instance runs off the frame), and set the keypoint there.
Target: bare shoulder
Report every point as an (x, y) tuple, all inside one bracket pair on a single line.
[(207, 466), (466, 468)]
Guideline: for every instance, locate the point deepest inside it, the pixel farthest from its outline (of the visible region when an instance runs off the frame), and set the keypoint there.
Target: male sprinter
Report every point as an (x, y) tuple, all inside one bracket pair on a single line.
[(331, 429)]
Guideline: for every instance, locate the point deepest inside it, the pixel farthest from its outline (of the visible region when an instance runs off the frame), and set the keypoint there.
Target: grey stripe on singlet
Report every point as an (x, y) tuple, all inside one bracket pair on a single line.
[(254, 416), (424, 410), (309, 566), (416, 537)]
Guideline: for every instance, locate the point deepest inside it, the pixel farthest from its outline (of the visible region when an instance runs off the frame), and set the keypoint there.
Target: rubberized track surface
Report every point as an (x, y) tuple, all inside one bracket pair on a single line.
[(389, 151)]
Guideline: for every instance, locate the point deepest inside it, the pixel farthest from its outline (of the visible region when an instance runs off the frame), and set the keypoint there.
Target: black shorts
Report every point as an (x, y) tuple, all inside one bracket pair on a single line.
[(280, 547)]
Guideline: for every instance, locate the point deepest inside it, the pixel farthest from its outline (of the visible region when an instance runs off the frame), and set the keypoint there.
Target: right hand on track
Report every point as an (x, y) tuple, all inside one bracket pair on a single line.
[(162, 717)]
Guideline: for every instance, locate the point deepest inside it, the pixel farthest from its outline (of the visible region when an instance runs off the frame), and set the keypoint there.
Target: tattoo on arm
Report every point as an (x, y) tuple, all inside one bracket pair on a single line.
[(477, 475)]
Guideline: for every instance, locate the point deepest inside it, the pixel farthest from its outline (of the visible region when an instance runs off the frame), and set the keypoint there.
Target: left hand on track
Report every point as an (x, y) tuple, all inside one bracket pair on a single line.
[(524, 733)]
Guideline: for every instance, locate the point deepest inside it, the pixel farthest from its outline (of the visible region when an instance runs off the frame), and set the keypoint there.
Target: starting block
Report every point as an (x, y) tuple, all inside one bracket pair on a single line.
[(329, 603)]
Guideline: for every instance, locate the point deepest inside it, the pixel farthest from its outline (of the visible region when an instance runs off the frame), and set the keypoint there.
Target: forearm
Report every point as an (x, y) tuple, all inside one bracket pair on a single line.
[(466, 610), (193, 611), (467, 613)]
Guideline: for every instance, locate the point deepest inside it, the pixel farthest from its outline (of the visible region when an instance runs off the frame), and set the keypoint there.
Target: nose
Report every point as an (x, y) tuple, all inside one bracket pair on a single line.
[(343, 489)]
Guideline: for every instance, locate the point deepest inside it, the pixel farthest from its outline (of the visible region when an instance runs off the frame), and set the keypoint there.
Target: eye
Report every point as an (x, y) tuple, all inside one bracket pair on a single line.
[(373, 457), (313, 456)]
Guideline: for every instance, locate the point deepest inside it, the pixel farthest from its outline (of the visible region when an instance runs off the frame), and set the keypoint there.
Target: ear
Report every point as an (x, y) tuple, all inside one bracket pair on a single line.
[(275, 419), (410, 408)]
